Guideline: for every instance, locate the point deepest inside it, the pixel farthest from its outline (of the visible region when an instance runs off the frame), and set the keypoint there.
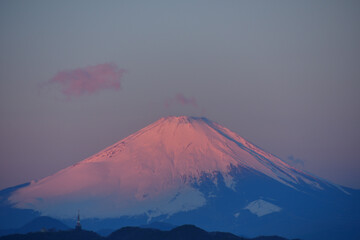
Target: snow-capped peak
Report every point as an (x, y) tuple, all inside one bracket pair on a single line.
[(151, 168)]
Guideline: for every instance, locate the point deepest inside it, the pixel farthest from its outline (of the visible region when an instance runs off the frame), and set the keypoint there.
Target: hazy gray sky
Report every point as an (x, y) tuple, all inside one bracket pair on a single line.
[(283, 74)]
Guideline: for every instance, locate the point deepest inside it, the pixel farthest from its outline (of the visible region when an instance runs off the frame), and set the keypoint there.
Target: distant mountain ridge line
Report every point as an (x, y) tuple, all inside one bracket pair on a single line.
[(184, 232)]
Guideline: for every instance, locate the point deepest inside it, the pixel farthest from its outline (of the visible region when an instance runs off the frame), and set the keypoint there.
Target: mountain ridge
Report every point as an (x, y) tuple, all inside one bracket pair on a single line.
[(164, 157), (195, 171), (183, 232)]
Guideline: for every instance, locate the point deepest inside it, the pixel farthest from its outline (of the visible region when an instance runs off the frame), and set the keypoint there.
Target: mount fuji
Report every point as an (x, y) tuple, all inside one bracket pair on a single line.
[(188, 170)]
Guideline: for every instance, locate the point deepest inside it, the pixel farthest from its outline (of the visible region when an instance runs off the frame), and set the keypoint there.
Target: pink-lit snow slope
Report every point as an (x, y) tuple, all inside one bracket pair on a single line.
[(150, 172)]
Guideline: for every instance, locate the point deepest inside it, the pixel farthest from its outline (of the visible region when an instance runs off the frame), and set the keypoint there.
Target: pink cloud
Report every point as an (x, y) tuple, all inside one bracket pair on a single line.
[(181, 99), (89, 80)]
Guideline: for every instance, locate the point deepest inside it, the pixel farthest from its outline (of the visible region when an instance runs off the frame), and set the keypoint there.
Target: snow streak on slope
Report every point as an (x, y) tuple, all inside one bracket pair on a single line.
[(152, 172)]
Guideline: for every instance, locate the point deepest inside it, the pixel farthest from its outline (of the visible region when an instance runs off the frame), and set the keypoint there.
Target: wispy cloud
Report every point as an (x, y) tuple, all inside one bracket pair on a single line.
[(295, 162), (182, 100), (89, 80)]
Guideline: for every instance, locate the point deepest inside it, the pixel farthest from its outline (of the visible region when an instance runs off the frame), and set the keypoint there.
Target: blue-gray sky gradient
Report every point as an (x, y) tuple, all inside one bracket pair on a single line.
[(283, 74)]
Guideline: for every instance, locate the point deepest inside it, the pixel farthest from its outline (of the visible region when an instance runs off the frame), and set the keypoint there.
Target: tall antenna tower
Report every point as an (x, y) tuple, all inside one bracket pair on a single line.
[(78, 224)]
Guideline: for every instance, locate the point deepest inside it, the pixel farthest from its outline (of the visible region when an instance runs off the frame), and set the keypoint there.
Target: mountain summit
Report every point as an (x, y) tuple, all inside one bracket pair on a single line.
[(153, 170), (188, 170)]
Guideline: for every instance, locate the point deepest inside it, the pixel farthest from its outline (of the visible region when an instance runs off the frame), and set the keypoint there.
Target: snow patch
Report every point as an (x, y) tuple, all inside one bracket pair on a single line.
[(342, 189), (229, 182), (185, 200), (312, 183), (261, 208)]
